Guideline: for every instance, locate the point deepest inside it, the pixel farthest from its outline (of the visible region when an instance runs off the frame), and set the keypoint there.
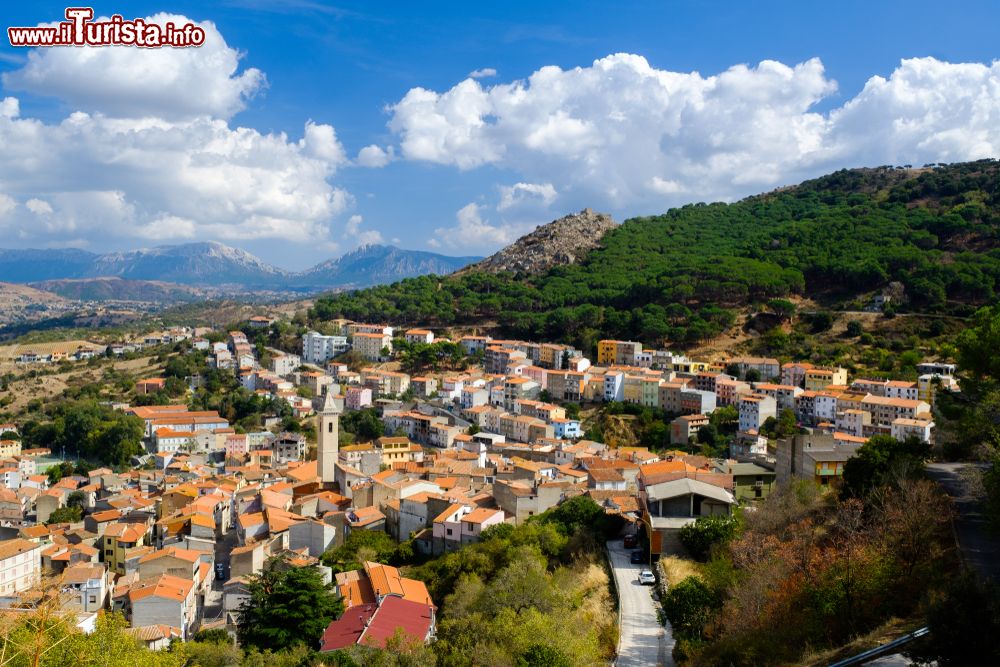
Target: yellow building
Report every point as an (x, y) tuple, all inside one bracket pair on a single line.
[(9, 448), (118, 539)]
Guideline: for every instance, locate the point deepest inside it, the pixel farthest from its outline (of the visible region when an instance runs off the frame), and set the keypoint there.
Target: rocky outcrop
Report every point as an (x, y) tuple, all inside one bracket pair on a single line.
[(563, 241)]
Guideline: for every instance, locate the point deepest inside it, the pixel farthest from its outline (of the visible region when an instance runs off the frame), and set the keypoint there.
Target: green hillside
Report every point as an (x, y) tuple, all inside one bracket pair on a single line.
[(677, 276)]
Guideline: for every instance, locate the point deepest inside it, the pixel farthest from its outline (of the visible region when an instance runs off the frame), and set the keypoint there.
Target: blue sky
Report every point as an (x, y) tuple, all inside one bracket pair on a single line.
[(631, 137)]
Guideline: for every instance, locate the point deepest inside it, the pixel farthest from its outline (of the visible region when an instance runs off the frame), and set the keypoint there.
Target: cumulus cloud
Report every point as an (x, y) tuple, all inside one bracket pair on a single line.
[(623, 133), (359, 237), (125, 81), (519, 193), (482, 73), (474, 234), (375, 156), (7, 204), (150, 152), (170, 180)]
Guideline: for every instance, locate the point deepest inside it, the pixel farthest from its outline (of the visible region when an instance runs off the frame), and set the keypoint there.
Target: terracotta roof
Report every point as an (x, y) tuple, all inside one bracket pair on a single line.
[(165, 586)]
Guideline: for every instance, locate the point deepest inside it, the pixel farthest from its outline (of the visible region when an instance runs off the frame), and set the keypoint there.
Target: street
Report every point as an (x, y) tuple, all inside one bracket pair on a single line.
[(643, 640), (980, 549)]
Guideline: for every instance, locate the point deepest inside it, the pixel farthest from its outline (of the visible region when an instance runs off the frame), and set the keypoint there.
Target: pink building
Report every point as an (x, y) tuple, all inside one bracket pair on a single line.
[(357, 398)]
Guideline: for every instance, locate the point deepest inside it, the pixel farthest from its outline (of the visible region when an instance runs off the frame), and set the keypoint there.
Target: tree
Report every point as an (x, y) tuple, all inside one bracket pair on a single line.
[(854, 329), (752, 375), (689, 606), (286, 606), (883, 460), (65, 515), (706, 532)]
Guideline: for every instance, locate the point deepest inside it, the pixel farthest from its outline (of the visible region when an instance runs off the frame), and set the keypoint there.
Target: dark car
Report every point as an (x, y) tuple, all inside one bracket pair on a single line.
[(638, 557), (630, 541)]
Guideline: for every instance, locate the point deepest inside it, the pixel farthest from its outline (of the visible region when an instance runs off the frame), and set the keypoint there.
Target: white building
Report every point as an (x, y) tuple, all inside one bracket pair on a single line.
[(20, 565), (754, 411), (317, 348)]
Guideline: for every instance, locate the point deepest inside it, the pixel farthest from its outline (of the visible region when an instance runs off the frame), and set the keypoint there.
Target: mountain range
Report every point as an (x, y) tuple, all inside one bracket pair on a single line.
[(211, 265)]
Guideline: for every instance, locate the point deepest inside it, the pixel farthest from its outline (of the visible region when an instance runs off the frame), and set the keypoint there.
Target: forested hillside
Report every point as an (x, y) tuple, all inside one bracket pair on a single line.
[(677, 276)]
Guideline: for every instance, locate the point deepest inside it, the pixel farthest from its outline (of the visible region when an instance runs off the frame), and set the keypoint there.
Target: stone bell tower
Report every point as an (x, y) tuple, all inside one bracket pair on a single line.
[(327, 443)]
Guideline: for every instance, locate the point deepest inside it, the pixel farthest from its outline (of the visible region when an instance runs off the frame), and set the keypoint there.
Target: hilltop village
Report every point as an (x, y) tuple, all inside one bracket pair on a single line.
[(488, 432)]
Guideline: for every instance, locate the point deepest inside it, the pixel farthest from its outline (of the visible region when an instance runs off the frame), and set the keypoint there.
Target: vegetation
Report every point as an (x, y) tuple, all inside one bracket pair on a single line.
[(87, 429), (810, 569), (677, 276), (706, 532), (287, 606), (534, 594)]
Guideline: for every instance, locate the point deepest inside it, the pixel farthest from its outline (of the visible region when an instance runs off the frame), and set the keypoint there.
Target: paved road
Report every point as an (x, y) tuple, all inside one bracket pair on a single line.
[(644, 642), (980, 548)]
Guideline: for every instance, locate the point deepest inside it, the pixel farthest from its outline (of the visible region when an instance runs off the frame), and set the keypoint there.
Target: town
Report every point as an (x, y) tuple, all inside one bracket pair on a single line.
[(487, 432)]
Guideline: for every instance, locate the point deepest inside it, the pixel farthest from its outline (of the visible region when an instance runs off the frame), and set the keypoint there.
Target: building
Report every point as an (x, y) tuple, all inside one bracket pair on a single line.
[(317, 348), (419, 336), (373, 346), (20, 565), (686, 427), (816, 456), (164, 600), (617, 352), (754, 410), (751, 481), (672, 499)]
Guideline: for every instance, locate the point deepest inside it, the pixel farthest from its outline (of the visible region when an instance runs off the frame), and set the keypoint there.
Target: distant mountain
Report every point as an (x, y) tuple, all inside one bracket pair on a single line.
[(377, 264), (207, 263), (119, 289), (26, 266), (167, 273)]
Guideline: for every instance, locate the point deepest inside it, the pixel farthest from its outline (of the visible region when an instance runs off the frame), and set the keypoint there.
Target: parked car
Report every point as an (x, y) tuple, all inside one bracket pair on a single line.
[(631, 540), (638, 557), (646, 578)]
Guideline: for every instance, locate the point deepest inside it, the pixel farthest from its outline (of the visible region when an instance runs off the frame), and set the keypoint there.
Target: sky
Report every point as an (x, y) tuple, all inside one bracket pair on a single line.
[(302, 129)]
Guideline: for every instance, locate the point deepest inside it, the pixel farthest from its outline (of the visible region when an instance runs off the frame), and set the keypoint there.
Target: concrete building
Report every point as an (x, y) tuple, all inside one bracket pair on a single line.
[(317, 348), (20, 565)]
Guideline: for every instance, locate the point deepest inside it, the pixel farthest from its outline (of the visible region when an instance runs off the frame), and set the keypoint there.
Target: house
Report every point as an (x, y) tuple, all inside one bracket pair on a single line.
[(751, 481), (617, 352), (88, 583), (686, 427), (754, 410), (813, 455), (379, 605), (419, 336), (164, 600), (150, 385), (20, 565), (671, 500)]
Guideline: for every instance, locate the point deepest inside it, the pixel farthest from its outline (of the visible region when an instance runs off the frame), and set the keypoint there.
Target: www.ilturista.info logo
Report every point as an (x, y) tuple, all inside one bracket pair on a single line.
[(81, 30)]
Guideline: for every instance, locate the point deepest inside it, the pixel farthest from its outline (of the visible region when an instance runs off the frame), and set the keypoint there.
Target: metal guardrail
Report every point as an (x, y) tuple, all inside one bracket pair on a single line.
[(884, 649)]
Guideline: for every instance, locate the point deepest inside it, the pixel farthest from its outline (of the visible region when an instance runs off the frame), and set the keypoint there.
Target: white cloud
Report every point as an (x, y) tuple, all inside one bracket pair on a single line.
[(521, 192), (375, 156), (124, 81), (170, 180), (39, 207), (359, 238), (7, 205), (149, 151), (482, 73), (473, 234), (10, 107), (623, 133)]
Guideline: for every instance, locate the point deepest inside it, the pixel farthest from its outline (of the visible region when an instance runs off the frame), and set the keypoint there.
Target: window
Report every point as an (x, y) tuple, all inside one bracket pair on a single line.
[(449, 531)]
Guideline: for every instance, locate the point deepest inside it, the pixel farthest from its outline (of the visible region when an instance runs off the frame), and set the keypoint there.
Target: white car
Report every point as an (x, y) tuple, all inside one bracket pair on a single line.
[(646, 578)]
